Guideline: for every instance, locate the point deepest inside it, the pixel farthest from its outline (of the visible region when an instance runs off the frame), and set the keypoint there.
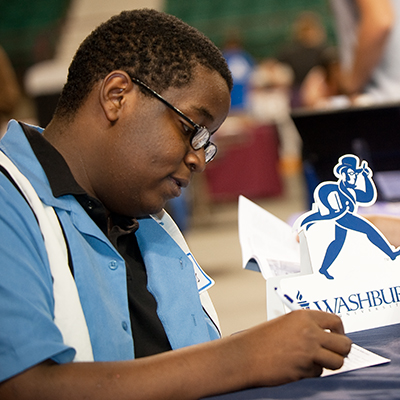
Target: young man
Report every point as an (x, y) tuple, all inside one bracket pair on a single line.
[(133, 124)]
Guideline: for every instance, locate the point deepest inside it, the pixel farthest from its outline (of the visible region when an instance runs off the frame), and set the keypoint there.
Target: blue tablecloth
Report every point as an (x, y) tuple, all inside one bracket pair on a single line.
[(377, 382)]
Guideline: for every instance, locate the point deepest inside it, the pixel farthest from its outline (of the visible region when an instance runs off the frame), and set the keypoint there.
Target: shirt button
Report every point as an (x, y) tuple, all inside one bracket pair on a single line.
[(124, 326), (113, 265)]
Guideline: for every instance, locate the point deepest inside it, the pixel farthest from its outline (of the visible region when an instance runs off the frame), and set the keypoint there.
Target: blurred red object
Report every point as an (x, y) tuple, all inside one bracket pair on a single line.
[(249, 167)]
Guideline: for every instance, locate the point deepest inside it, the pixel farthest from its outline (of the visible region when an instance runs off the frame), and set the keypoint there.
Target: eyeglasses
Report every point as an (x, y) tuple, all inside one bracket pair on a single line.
[(200, 136)]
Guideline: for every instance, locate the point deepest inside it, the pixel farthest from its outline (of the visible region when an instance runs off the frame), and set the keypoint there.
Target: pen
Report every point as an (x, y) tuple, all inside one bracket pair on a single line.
[(287, 300)]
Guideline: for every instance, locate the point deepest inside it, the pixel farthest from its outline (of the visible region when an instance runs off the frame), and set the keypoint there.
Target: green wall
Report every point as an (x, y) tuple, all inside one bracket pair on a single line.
[(264, 24), (29, 29)]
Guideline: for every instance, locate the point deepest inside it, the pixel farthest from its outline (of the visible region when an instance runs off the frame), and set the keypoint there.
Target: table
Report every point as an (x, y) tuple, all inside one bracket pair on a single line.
[(377, 382)]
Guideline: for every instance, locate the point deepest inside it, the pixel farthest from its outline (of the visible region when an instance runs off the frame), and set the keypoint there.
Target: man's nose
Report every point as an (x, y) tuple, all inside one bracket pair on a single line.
[(196, 160)]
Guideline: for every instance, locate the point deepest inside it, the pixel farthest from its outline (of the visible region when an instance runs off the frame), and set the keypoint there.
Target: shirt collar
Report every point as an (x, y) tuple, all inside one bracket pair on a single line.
[(62, 182), (59, 175)]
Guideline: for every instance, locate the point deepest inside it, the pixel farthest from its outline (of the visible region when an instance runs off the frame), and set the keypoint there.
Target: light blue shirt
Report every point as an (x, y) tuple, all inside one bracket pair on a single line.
[(28, 334)]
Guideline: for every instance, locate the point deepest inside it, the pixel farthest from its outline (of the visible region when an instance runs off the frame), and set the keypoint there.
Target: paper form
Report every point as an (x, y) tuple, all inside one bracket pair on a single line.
[(357, 358)]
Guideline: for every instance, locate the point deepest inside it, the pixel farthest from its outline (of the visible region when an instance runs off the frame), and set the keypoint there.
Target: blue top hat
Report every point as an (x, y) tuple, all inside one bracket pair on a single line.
[(347, 162)]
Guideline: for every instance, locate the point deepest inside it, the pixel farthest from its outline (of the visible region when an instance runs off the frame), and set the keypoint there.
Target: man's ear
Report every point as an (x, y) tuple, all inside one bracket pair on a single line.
[(113, 91)]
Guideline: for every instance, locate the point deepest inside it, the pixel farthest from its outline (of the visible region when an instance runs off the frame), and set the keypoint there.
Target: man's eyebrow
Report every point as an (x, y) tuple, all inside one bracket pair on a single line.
[(204, 112)]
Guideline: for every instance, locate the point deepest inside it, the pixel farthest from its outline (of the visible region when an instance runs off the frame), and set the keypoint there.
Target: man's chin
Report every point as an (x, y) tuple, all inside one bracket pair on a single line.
[(151, 210)]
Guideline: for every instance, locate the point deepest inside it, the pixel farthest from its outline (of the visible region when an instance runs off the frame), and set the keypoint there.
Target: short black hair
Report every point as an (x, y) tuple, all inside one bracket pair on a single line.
[(155, 47)]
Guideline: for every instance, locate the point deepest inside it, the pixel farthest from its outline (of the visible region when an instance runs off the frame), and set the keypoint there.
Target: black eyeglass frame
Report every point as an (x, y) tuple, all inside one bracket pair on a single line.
[(200, 132)]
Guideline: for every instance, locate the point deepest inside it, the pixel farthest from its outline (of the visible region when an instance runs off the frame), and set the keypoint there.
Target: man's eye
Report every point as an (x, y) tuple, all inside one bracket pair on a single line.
[(187, 129)]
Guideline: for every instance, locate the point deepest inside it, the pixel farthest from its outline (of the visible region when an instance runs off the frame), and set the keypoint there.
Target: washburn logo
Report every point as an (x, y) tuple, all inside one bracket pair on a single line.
[(339, 202), (355, 301)]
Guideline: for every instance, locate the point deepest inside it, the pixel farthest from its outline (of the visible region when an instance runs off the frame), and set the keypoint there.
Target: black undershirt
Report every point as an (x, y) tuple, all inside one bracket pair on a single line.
[(148, 333)]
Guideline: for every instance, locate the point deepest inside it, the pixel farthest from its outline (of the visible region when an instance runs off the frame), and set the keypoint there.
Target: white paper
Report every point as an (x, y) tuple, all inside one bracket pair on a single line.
[(267, 240), (357, 358)]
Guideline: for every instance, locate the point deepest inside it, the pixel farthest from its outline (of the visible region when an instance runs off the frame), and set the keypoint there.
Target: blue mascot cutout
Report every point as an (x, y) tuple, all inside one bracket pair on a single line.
[(339, 201)]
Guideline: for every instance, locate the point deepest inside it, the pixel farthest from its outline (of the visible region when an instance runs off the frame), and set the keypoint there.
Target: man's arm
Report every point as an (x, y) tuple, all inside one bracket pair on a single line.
[(288, 348), (367, 194), (376, 21)]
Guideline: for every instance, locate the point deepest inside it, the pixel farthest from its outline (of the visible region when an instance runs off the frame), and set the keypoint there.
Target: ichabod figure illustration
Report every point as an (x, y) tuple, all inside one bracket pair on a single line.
[(339, 201)]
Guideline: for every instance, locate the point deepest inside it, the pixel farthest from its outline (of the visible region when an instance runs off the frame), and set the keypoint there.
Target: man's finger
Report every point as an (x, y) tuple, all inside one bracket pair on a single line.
[(328, 321), (336, 343)]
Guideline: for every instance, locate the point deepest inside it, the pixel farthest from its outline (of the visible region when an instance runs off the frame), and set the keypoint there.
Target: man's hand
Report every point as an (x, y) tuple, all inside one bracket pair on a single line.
[(295, 346)]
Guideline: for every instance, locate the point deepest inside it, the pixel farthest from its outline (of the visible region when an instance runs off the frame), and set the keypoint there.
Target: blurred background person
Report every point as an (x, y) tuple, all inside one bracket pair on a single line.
[(320, 88), (269, 104), (304, 51), (369, 42), (269, 95), (10, 93), (241, 65)]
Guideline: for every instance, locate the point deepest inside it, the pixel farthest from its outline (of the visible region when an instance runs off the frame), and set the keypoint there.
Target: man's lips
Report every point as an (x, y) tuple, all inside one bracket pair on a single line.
[(181, 182)]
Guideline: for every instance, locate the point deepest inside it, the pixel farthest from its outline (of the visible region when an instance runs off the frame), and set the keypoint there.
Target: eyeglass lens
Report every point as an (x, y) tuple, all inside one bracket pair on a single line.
[(200, 138), (210, 150)]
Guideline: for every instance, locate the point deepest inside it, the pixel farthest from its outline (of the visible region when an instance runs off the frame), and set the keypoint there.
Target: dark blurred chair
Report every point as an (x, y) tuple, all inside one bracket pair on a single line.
[(372, 133)]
